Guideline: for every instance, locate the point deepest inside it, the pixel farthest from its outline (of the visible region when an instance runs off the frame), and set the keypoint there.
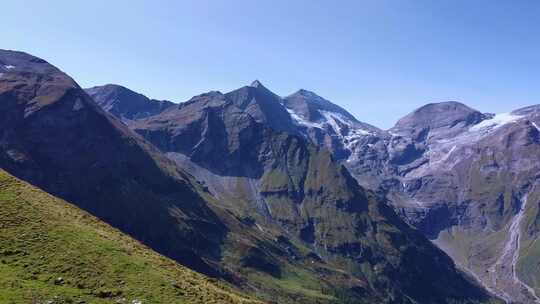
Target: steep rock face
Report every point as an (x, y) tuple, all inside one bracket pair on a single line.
[(126, 104), (262, 105), (206, 126), (311, 107), (295, 193), (330, 126)]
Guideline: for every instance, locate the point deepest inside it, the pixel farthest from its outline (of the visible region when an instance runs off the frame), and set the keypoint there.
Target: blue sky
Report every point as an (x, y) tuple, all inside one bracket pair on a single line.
[(378, 59)]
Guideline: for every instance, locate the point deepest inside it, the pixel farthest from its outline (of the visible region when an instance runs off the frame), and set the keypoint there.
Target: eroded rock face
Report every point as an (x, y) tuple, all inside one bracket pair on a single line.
[(262, 105)]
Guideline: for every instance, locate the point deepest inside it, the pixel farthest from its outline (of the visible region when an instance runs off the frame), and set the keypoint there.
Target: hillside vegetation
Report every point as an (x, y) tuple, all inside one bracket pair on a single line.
[(52, 252)]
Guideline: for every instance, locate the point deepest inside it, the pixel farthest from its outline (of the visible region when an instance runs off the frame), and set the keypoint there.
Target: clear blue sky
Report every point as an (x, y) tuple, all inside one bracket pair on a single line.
[(378, 59)]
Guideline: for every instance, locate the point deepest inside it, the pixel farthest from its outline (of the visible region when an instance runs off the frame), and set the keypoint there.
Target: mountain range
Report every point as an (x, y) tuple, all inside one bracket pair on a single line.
[(287, 199), (462, 177)]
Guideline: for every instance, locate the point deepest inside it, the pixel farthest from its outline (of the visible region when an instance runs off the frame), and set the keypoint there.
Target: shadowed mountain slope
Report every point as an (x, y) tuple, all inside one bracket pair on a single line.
[(53, 135)]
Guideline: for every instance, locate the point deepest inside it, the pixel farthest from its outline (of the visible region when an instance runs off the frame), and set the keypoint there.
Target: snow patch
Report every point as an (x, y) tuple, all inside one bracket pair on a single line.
[(9, 67), (535, 125), (349, 131), (433, 161), (302, 122), (337, 122), (333, 117), (331, 120), (496, 122)]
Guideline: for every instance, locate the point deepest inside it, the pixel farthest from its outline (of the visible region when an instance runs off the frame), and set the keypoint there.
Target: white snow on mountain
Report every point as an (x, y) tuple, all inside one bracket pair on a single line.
[(336, 121), (298, 120), (496, 122), (535, 125)]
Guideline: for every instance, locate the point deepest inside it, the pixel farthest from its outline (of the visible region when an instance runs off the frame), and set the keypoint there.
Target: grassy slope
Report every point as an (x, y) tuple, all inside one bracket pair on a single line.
[(528, 266), (43, 238)]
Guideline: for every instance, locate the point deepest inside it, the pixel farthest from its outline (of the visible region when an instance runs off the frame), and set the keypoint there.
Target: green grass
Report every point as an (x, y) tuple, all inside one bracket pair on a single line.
[(528, 266), (294, 282), (52, 251)]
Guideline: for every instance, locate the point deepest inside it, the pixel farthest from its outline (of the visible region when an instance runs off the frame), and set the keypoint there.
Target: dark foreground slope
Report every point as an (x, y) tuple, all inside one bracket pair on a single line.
[(53, 251)]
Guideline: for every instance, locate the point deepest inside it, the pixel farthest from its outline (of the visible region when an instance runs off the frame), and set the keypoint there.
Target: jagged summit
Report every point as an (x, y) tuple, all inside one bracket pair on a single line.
[(311, 106), (306, 93), (263, 105), (256, 83)]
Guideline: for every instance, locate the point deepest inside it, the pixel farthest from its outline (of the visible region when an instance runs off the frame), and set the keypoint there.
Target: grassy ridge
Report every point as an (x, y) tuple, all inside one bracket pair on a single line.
[(52, 251)]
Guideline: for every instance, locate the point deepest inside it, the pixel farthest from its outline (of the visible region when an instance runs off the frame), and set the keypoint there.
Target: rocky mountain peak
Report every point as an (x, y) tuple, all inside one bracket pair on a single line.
[(256, 83), (204, 97), (263, 105), (14, 61), (311, 106), (436, 116), (125, 103), (32, 81)]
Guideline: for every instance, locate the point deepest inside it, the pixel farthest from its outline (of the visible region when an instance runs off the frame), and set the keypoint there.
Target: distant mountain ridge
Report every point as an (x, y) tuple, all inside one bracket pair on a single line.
[(126, 104)]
